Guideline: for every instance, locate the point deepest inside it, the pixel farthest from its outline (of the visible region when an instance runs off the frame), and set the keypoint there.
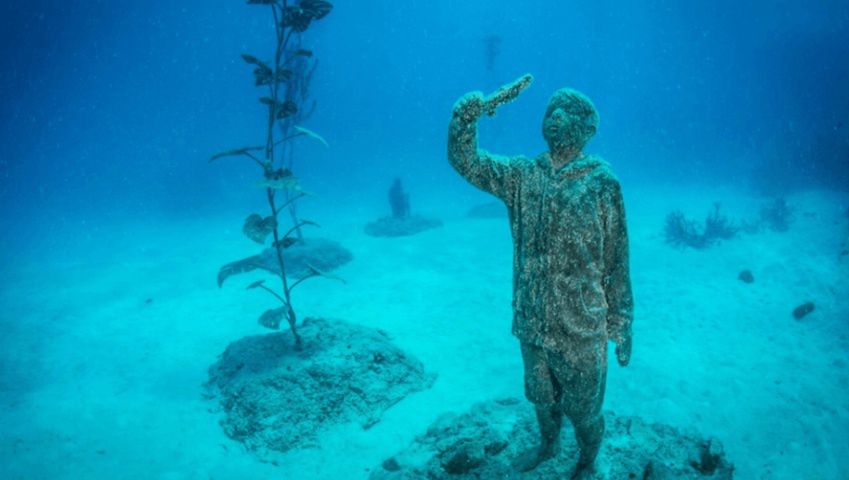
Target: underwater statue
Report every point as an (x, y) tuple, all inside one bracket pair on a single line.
[(571, 284), (399, 200), (401, 223)]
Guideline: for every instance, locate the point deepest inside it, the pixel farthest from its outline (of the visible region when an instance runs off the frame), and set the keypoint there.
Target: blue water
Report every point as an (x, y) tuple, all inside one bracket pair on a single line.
[(109, 112), (126, 101)]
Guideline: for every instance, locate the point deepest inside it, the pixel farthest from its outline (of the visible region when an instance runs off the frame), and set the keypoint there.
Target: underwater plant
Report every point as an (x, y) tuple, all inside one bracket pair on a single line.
[(682, 232), (286, 81), (718, 227)]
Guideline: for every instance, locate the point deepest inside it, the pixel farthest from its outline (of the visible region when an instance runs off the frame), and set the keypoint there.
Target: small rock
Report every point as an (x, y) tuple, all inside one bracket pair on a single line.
[(803, 310), (391, 465), (495, 447), (658, 471), (709, 458), (462, 458), (746, 276)]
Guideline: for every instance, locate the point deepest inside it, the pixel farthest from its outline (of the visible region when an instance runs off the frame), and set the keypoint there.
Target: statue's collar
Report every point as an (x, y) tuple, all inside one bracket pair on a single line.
[(574, 169)]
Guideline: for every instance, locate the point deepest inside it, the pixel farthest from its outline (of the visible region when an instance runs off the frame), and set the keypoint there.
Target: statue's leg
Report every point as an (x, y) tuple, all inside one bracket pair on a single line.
[(583, 375), (550, 419), (589, 434), (543, 390)]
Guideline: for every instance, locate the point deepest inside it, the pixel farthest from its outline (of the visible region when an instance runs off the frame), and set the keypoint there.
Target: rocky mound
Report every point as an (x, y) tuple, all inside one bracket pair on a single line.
[(275, 398), (300, 259), (321, 253), (400, 226), (482, 443)]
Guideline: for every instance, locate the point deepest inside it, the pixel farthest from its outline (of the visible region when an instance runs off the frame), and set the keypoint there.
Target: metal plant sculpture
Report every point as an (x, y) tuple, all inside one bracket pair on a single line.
[(286, 81)]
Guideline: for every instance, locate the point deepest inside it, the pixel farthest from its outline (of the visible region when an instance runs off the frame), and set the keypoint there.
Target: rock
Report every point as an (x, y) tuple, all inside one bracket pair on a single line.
[(746, 276), (400, 226), (391, 465), (481, 443), (275, 398), (323, 254), (708, 457), (656, 471), (803, 310), (463, 457)]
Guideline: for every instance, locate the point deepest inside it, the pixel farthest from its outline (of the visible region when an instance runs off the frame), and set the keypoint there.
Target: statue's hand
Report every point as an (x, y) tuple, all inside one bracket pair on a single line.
[(470, 107), (506, 93), (474, 105), (623, 351)]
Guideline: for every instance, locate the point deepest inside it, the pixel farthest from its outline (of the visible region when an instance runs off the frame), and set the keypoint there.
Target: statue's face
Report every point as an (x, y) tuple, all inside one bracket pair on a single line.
[(563, 130), (570, 121)]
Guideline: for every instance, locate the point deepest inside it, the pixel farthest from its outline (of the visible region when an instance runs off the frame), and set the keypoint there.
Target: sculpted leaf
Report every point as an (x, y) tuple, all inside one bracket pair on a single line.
[(252, 60), (271, 318), (312, 134), (258, 228), (262, 76), (317, 9), (283, 109), (281, 179), (296, 18), (239, 266), (235, 152), (286, 109)]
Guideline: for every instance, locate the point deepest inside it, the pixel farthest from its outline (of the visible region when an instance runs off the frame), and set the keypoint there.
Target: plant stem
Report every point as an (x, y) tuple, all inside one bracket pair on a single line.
[(279, 31)]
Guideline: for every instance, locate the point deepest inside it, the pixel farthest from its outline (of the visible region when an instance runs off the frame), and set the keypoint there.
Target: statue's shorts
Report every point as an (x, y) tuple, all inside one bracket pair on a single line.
[(575, 380)]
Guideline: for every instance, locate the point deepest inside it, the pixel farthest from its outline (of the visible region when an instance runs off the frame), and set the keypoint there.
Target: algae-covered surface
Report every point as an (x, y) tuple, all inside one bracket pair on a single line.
[(146, 145)]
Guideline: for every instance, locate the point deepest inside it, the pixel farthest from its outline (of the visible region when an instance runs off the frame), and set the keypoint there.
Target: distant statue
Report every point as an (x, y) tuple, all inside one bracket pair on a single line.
[(492, 47), (402, 222), (571, 284), (399, 200)]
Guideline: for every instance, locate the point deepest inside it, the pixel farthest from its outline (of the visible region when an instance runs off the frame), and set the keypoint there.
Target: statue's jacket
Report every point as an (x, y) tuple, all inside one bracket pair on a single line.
[(570, 243)]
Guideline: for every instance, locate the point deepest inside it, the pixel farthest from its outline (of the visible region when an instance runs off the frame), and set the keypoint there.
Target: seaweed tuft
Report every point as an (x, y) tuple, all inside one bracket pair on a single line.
[(683, 232)]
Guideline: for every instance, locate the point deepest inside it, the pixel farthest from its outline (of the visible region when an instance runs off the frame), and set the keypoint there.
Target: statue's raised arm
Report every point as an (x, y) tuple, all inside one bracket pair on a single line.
[(488, 172)]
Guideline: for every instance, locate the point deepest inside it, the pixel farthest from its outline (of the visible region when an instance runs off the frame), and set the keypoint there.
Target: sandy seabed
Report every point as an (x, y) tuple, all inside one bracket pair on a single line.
[(106, 344)]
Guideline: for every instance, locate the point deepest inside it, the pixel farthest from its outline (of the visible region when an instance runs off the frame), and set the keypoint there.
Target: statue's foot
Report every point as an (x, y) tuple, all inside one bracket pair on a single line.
[(585, 468), (583, 473), (531, 458)]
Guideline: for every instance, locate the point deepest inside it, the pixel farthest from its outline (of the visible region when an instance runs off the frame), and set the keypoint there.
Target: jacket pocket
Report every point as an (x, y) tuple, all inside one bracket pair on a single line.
[(591, 307)]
